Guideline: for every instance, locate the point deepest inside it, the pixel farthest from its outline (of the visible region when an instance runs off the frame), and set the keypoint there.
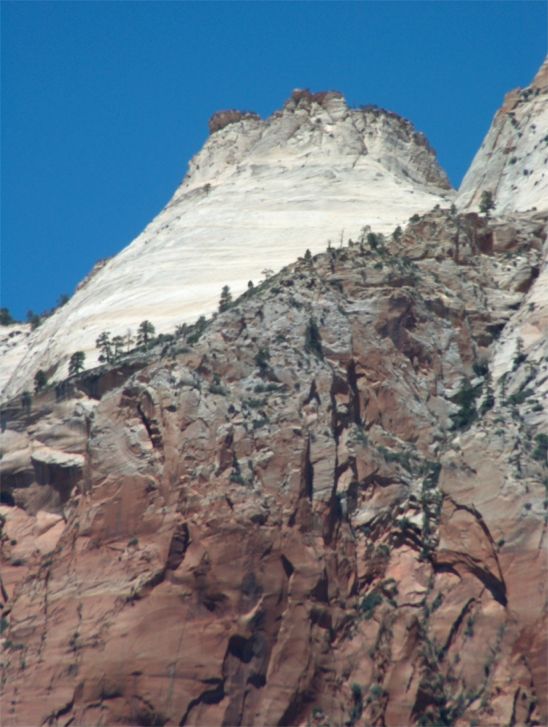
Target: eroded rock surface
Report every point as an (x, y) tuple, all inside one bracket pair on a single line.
[(512, 162), (257, 195), (328, 508)]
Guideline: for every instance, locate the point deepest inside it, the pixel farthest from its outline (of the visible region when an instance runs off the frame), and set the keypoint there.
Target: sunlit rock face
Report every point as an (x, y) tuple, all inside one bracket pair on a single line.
[(257, 195), (512, 162), (326, 507), (329, 509), (14, 343)]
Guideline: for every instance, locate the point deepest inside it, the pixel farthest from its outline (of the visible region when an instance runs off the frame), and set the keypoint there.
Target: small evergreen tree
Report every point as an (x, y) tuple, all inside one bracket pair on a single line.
[(6, 318), (225, 300), (262, 357), (312, 340), (104, 345), (250, 285), (40, 380), (34, 319), (76, 363), (118, 344), (308, 257), (487, 203), (372, 240), (520, 355), (145, 333), (489, 398), (196, 330)]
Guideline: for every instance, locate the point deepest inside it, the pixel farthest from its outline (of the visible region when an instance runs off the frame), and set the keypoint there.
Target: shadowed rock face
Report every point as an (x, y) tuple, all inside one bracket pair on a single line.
[(329, 509)]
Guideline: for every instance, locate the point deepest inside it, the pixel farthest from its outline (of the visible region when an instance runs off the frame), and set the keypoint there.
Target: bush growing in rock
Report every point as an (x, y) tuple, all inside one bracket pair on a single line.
[(145, 333), (40, 380), (541, 450), (313, 341), (225, 300), (76, 363)]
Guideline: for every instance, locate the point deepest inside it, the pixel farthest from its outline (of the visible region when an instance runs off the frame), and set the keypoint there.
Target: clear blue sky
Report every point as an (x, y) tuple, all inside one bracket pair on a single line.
[(103, 104)]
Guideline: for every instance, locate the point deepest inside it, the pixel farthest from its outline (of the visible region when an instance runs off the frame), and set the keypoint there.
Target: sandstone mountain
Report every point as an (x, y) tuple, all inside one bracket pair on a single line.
[(256, 196), (324, 510), (512, 162), (327, 505)]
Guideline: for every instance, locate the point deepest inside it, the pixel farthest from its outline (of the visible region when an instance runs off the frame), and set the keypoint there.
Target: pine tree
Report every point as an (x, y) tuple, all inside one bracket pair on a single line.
[(487, 203), (145, 333), (118, 343), (104, 345), (225, 300), (6, 318), (76, 363), (34, 319)]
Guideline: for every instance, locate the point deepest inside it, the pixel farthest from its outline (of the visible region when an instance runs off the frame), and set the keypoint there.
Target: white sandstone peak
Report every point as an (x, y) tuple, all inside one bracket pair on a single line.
[(258, 194), (512, 162)]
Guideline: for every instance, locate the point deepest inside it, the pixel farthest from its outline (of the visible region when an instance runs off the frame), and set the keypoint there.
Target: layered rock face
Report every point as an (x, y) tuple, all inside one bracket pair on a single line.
[(512, 162), (328, 508), (257, 195)]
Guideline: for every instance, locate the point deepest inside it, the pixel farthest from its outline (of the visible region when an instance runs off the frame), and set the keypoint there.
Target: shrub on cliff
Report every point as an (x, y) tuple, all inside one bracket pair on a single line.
[(40, 380), (6, 319), (225, 300), (487, 203), (145, 333), (313, 341), (76, 363)]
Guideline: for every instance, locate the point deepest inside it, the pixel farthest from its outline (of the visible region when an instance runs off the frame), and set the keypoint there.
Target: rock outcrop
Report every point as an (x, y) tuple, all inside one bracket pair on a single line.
[(328, 507), (512, 162), (257, 195)]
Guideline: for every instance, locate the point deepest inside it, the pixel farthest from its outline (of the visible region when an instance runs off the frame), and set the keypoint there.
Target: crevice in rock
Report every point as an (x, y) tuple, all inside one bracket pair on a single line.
[(61, 712), (512, 721), (320, 592), (241, 648), (455, 627), (308, 473), (492, 583), (293, 711), (313, 394), (151, 425), (355, 395), (497, 586), (209, 696), (287, 565), (177, 547)]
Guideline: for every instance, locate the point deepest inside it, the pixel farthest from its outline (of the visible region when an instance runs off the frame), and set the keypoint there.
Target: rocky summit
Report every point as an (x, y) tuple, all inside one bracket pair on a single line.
[(326, 504), (255, 197)]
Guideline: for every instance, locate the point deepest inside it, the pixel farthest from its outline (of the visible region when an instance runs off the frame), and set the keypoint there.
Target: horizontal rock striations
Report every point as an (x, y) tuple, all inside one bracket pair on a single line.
[(512, 162), (258, 194)]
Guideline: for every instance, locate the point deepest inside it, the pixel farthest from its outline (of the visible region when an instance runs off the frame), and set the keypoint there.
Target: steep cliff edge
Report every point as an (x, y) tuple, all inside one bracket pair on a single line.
[(326, 508), (512, 162), (256, 196)]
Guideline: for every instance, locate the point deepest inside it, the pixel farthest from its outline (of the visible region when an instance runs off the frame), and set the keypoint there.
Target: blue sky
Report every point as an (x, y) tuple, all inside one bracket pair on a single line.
[(103, 104)]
